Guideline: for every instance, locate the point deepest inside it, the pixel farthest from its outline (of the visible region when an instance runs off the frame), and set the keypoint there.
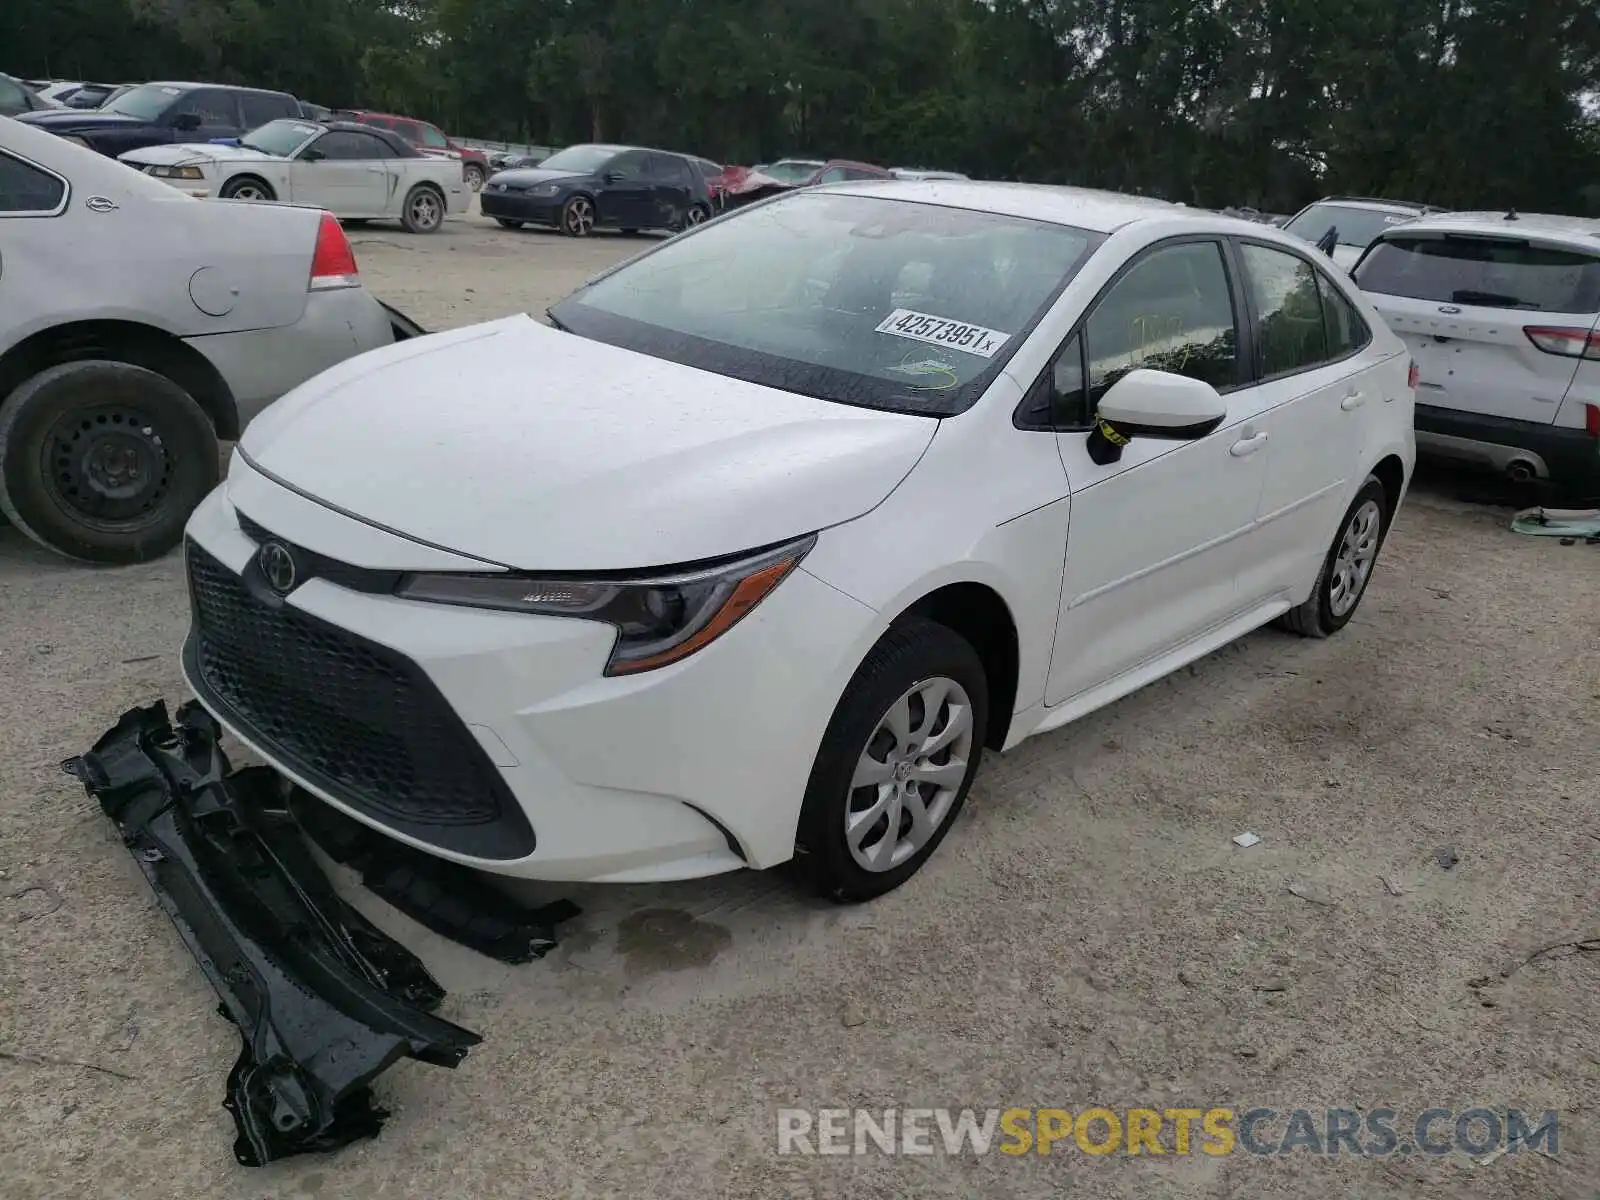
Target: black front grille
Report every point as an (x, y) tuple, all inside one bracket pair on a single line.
[(357, 719)]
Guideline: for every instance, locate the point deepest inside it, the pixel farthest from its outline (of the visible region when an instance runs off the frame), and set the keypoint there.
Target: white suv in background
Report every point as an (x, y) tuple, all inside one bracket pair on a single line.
[(1353, 220), (1501, 312)]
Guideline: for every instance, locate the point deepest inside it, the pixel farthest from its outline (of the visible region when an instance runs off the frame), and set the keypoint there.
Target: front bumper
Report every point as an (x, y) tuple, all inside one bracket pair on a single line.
[(520, 206), (690, 770), (259, 365)]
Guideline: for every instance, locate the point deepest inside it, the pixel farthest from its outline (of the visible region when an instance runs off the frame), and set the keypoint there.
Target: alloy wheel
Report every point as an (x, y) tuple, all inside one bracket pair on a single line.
[(909, 774), (425, 210), (248, 191), (1352, 565), (580, 217)]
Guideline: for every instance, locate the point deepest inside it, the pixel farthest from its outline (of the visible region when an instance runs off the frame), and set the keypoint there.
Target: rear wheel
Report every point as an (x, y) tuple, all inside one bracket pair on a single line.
[(424, 209), (103, 461), (246, 187), (577, 217), (472, 174), (1347, 568), (895, 763), (698, 214)]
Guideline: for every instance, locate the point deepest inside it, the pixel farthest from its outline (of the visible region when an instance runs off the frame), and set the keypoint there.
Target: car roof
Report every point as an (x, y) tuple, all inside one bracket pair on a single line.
[(1083, 208), (190, 85), (1583, 231), (1373, 203)]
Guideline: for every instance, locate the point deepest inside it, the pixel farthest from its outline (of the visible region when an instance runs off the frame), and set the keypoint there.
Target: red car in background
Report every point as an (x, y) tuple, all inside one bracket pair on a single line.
[(741, 185), (429, 139)]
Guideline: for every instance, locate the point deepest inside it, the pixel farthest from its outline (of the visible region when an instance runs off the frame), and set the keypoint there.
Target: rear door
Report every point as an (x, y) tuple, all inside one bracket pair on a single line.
[(1490, 319), (623, 197)]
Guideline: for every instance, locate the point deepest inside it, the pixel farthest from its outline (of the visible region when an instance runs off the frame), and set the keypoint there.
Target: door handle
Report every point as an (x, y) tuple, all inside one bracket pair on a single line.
[(375, 171), (1353, 401), (1249, 445)]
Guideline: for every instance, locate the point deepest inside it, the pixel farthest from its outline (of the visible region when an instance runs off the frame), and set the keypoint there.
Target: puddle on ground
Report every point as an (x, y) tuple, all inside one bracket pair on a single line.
[(653, 940)]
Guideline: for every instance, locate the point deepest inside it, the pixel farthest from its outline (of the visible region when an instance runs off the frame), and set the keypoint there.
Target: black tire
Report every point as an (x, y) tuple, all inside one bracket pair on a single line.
[(509, 224), (1317, 617), (104, 462), (355, 222), (246, 183), (472, 176), (630, 233), (424, 209), (913, 650), (571, 226)]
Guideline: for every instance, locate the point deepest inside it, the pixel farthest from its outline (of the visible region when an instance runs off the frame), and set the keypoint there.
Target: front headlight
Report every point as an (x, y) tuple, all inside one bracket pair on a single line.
[(660, 619), (177, 172), (547, 189)]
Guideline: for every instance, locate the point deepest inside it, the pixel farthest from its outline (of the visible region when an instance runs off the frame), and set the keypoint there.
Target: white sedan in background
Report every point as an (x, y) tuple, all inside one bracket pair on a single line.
[(353, 171)]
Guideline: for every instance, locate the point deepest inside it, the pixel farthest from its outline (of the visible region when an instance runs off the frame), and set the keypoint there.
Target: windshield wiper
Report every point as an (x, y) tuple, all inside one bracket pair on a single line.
[(1496, 299)]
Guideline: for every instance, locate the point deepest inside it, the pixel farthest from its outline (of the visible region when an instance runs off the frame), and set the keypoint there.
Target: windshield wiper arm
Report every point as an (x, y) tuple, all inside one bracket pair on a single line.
[(1498, 299)]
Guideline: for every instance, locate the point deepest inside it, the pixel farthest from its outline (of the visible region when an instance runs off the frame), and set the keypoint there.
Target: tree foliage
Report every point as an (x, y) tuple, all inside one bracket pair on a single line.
[(1266, 102)]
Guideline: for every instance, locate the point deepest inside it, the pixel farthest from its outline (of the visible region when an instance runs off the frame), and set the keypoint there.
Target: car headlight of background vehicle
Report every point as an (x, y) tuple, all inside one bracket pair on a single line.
[(177, 172), (660, 618)]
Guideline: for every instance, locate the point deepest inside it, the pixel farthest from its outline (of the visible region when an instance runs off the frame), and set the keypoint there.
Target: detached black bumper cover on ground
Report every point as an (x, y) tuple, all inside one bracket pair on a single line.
[(323, 999)]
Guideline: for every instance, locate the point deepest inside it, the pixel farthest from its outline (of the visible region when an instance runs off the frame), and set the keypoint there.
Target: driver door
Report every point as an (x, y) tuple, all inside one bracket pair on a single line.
[(1156, 539), (622, 196), (348, 172)]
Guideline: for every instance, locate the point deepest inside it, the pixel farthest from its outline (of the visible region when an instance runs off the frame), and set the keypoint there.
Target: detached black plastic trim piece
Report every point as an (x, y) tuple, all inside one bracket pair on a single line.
[(324, 1000)]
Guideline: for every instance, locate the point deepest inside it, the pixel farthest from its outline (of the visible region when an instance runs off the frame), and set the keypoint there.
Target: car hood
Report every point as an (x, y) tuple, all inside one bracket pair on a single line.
[(528, 176), (191, 152), (75, 120), (569, 454)]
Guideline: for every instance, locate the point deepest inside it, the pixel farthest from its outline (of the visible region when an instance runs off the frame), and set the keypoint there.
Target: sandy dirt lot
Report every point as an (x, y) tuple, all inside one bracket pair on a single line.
[(1086, 936)]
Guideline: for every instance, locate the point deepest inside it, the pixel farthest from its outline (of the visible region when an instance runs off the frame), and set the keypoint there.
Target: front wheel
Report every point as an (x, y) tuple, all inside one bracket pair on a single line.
[(423, 211), (472, 174), (577, 217), (1347, 568), (895, 763), (103, 461), (246, 187)]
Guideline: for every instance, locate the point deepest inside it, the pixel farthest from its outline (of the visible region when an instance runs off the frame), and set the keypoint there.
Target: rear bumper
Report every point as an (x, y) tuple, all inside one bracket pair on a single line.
[(259, 365), (519, 206), (1567, 457)]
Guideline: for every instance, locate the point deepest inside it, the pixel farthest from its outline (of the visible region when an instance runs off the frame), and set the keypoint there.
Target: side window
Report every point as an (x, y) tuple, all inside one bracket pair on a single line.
[(857, 173), (342, 145), (709, 169), (629, 165), (25, 189), (410, 130), (1347, 332), (833, 175), (258, 108), (433, 138), (1290, 334), (661, 168), (12, 98), (1172, 311), (212, 106)]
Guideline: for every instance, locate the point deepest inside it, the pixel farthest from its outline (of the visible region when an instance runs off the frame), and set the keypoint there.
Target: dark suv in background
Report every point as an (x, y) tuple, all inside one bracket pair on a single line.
[(154, 114), (588, 187)]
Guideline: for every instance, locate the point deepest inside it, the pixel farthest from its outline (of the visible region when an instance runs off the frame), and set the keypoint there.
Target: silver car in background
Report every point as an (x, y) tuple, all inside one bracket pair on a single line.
[(140, 326)]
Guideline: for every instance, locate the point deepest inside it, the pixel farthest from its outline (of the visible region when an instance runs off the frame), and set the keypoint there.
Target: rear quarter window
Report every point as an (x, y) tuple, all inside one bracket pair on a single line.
[(1483, 271)]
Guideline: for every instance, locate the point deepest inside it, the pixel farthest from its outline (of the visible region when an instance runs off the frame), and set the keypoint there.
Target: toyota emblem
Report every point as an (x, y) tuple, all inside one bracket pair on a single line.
[(277, 564)]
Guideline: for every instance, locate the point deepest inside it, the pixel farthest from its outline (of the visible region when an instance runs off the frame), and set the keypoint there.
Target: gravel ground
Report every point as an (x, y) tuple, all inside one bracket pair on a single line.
[(1087, 935)]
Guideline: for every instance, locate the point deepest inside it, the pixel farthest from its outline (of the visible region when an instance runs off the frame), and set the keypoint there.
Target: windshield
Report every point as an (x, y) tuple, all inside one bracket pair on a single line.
[(863, 300), (1356, 226), (144, 103), (280, 138), (1488, 272), (791, 170), (581, 160)]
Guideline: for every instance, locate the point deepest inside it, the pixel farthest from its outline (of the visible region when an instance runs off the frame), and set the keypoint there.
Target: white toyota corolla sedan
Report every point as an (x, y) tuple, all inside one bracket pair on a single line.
[(754, 548)]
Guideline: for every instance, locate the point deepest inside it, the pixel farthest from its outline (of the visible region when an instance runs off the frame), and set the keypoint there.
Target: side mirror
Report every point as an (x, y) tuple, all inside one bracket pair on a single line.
[(184, 122), (1157, 404), (312, 154)]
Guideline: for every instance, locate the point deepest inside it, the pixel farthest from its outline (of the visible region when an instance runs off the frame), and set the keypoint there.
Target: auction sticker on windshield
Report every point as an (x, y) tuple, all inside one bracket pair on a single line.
[(940, 331)]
